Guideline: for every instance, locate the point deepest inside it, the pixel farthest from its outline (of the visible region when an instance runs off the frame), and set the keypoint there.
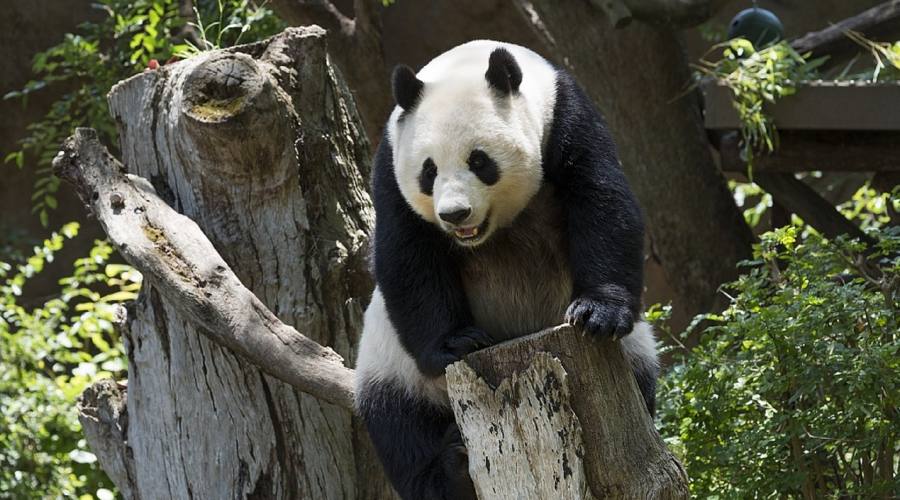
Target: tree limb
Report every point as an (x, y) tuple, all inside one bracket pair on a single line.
[(177, 259), (824, 41), (104, 419), (321, 12), (550, 415), (799, 198)]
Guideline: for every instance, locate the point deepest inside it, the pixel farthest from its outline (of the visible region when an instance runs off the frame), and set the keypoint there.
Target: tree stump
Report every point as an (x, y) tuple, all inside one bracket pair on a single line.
[(261, 146), (559, 415)]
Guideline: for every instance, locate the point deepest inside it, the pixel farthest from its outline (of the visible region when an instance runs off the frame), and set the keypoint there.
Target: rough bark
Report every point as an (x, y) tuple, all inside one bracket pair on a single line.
[(261, 147), (637, 76), (558, 415), (104, 418)]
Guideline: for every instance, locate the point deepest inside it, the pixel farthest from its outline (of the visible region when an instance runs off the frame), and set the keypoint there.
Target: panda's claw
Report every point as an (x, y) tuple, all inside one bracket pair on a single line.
[(600, 319)]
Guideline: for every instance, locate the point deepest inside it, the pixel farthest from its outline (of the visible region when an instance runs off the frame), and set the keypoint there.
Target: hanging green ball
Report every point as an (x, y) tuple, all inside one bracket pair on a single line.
[(760, 26)]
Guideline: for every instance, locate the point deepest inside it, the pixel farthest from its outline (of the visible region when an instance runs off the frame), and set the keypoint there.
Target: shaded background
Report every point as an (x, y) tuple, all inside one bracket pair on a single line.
[(30, 26)]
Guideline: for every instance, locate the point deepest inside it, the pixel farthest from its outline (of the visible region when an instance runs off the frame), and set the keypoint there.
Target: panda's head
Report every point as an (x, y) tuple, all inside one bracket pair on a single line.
[(467, 140)]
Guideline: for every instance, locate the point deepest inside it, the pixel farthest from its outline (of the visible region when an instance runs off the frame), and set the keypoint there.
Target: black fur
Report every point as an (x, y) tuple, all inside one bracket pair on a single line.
[(427, 176), (606, 233), (503, 73), (417, 271), (484, 167), (419, 445), (407, 88), (646, 380)]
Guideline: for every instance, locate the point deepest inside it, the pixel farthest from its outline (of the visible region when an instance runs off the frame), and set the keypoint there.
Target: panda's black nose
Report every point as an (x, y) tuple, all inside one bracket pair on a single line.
[(455, 216)]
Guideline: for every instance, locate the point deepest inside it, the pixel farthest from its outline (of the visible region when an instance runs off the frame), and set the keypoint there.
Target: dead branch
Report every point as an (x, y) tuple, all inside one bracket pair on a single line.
[(825, 41), (176, 257)]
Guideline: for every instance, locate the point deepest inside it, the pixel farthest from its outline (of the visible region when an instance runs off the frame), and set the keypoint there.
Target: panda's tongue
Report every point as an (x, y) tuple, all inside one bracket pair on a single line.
[(466, 232)]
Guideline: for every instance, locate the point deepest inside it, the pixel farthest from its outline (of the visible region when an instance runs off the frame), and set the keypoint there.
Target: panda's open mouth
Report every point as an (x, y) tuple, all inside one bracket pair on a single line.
[(472, 234)]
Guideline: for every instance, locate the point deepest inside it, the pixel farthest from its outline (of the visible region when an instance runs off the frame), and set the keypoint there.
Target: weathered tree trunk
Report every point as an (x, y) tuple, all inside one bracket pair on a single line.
[(262, 147), (558, 415)]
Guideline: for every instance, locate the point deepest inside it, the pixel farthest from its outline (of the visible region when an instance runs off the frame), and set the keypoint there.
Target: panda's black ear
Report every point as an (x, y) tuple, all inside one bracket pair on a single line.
[(407, 88), (503, 71)]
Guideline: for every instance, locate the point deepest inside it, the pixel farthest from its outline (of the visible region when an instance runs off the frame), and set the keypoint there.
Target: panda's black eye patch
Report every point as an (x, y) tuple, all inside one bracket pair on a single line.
[(426, 176), (484, 167)]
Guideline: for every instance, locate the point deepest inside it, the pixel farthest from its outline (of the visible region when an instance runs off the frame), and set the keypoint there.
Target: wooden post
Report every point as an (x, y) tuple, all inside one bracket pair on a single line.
[(559, 415)]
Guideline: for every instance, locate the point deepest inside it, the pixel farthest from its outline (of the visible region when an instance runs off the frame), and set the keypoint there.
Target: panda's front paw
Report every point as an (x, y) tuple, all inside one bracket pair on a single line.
[(599, 318), (454, 460), (452, 348), (465, 341)]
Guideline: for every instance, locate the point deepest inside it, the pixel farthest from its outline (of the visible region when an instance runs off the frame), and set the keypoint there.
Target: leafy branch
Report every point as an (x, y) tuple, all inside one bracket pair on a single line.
[(88, 63), (758, 78)]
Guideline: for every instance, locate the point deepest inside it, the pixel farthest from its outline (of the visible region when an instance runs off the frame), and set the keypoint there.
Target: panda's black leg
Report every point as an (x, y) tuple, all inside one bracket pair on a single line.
[(418, 444)]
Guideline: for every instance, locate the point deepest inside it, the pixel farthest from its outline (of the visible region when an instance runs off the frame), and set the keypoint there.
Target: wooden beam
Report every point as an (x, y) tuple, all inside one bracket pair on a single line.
[(804, 201), (829, 151), (817, 105), (831, 38)]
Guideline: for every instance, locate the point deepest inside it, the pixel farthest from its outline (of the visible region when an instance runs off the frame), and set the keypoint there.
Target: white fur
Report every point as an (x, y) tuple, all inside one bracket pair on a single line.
[(640, 346), (458, 112), (382, 358)]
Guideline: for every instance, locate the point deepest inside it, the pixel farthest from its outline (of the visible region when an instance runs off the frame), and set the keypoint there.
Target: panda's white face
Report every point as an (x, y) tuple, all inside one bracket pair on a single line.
[(467, 158)]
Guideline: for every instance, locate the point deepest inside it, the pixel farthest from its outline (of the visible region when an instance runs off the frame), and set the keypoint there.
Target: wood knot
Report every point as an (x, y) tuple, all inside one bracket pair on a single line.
[(236, 120), (117, 201), (223, 87)]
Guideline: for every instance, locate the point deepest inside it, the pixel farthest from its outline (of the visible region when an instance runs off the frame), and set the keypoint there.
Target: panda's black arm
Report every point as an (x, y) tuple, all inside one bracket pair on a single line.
[(419, 278), (603, 220)]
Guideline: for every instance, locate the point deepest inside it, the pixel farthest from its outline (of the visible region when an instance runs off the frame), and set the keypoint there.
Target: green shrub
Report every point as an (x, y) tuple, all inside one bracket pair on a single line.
[(48, 355), (793, 390)]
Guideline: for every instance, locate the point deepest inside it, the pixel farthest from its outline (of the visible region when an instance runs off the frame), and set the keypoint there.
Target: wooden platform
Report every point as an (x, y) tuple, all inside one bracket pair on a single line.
[(817, 105)]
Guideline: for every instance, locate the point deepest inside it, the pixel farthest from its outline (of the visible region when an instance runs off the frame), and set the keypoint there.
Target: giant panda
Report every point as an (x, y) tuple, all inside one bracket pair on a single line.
[(500, 210)]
